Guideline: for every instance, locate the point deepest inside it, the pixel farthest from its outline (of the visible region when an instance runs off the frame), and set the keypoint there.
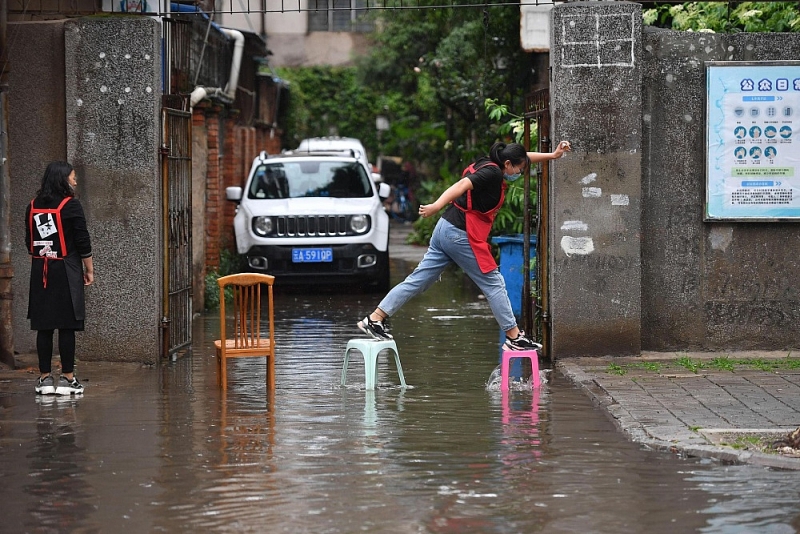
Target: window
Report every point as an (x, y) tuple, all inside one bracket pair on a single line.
[(338, 16)]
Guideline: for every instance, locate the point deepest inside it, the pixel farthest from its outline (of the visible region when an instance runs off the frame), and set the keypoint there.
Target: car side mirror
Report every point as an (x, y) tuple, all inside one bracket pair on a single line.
[(234, 193), (384, 190)]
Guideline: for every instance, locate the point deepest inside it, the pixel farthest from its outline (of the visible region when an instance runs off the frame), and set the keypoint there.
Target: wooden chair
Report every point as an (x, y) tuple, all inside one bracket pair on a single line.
[(245, 338)]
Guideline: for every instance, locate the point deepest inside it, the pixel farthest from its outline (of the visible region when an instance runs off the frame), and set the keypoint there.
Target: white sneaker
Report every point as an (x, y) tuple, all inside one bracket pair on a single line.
[(521, 343), (375, 329), (44, 386), (69, 387)]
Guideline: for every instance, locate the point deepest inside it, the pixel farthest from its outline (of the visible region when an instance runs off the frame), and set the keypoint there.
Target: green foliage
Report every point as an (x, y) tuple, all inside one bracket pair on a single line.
[(331, 101), (614, 369), (719, 363), (726, 17), (690, 364), (790, 363), (211, 297), (649, 366), (623, 369), (746, 443), (229, 263), (760, 364), (510, 217), (723, 363), (428, 192), (443, 63), (510, 125)]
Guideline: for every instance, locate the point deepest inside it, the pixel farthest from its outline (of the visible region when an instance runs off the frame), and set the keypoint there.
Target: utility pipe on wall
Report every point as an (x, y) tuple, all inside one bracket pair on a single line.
[(229, 92)]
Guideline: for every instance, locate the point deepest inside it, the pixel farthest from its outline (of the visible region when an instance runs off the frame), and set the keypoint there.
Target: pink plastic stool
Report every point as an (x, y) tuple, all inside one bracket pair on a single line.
[(530, 354)]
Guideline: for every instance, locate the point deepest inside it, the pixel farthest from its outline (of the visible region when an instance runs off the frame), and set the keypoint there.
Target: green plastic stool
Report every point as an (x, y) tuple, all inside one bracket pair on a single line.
[(370, 348)]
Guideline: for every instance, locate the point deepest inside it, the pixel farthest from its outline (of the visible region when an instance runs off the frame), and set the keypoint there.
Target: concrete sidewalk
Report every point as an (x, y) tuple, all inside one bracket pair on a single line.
[(398, 248), (698, 404)]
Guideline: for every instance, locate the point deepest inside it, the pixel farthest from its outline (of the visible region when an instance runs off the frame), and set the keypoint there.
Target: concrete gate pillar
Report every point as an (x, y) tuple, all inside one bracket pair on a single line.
[(595, 191), (113, 109)]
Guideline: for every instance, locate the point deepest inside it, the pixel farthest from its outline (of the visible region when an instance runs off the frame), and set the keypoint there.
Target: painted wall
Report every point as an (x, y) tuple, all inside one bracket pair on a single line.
[(289, 40), (715, 285), (633, 265)]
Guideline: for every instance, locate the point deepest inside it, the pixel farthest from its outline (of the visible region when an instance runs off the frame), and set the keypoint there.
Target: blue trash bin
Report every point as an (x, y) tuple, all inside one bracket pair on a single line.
[(512, 268)]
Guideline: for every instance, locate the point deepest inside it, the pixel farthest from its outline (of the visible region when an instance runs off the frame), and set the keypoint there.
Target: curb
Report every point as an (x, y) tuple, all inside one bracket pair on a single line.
[(637, 432)]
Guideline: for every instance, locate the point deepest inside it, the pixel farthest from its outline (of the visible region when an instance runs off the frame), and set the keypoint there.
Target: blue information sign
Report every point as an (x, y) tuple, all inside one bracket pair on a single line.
[(752, 140)]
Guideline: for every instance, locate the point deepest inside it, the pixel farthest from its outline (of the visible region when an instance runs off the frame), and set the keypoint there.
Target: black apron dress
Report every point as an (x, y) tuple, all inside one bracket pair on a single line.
[(56, 285)]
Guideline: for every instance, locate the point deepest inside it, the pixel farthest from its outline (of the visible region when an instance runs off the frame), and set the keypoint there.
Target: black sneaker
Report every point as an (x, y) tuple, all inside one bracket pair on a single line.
[(44, 386), (69, 387), (375, 329), (521, 343)]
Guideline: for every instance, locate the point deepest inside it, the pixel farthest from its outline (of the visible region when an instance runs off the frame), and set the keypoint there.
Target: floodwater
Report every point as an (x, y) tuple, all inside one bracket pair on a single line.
[(163, 450)]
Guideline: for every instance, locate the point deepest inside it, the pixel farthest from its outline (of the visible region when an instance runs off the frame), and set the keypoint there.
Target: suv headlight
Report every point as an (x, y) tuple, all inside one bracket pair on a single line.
[(359, 223), (262, 226)]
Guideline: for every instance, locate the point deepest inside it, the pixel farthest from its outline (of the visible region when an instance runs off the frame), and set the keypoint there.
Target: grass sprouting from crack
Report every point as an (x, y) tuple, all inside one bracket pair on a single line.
[(614, 369), (690, 364), (723, 363), (719, 363)]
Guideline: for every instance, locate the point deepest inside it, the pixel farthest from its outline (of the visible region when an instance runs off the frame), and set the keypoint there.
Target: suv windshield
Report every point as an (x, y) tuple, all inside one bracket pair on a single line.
[(310, 178)]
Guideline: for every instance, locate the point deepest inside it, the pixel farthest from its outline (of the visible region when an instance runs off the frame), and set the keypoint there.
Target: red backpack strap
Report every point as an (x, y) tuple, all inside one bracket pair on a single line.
[(472, 169), (57, 213), (61, 226)]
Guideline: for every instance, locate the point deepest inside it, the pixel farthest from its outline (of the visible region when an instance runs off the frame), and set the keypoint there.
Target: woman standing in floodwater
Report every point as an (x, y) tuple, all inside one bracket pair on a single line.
[(461, 237), (61, 265)]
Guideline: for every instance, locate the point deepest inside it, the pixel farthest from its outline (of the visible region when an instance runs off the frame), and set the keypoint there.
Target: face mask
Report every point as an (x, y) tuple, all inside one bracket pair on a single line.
[(512, 177)]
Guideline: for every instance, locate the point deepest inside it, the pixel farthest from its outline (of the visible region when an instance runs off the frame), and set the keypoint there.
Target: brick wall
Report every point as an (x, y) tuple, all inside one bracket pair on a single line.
[(269, 140), (226, 165), (213, 188), (231, 162)]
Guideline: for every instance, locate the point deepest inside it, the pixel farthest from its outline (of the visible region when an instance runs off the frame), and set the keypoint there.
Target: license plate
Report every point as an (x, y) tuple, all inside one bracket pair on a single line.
[(312, 255)]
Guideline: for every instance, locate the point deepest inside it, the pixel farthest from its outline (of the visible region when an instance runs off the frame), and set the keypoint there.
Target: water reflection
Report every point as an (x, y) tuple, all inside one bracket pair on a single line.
[(60, 495)]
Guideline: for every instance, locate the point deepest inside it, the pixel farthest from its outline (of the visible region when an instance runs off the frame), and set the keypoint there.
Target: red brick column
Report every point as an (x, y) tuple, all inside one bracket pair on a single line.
[(213, 188), (269, 139), (199, 125), (232, 156)]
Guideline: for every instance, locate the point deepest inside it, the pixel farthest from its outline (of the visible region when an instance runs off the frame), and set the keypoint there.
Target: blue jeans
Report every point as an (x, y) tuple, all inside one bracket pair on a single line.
[(450, 245)]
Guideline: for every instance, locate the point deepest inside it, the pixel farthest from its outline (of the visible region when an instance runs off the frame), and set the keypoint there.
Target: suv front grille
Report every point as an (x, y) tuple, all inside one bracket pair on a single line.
[(311, 226)]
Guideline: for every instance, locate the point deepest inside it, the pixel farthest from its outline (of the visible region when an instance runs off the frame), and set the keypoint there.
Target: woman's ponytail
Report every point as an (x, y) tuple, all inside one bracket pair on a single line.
[(513, 152), (496, 153)]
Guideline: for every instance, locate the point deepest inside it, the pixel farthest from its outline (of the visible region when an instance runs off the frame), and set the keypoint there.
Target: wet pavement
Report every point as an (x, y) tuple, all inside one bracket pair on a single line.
[(163, 449), (699, 404)]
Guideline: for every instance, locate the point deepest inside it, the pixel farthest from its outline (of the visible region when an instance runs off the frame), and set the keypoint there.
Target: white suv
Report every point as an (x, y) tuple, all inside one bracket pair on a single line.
[(313, 217), (333, 144)]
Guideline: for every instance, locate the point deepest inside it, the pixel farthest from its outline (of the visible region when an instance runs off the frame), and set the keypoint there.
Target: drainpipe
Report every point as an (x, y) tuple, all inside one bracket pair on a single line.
[(229, 93)]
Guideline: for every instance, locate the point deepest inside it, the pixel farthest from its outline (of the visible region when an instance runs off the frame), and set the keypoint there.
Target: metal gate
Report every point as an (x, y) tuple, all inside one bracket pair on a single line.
[(176, 193), (537, 108)]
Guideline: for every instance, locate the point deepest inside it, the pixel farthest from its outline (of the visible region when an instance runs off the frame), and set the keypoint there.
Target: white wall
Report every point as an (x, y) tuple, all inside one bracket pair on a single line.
[(288, 37)]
